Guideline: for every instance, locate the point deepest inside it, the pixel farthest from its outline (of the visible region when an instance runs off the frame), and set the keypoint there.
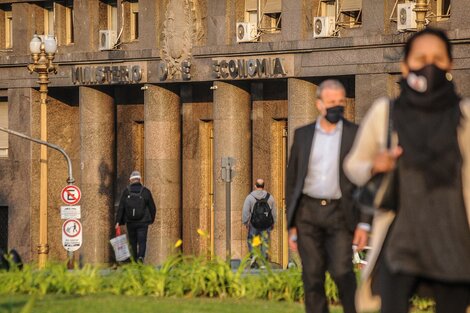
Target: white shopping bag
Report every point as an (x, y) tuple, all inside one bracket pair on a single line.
[(120, 246)]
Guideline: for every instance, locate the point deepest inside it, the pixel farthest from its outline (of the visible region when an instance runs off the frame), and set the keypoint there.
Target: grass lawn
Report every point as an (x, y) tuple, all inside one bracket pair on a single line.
[(117, 304)]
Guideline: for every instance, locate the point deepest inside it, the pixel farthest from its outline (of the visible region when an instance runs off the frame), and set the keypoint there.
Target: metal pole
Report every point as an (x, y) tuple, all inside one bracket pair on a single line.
[(259, 15), (228, 219), (70, 179), (42, 64), (43, 247)]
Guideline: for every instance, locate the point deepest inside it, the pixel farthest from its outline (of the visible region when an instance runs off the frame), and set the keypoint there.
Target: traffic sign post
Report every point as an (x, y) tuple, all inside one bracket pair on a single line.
[(72, 235), (227, 175), (72, 228)]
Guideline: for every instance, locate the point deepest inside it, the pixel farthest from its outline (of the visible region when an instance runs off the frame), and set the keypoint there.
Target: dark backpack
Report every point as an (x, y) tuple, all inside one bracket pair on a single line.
[(261, 215), (135, 206)]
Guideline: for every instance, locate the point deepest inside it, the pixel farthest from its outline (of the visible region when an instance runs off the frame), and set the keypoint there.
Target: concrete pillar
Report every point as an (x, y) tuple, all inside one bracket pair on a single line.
[(376, 16), (97, 133), (370, 87), (88, 20), (293, 20), (162, 120), (217, 22), (22, 193), (29, 19), (301, 95), (232, 138)]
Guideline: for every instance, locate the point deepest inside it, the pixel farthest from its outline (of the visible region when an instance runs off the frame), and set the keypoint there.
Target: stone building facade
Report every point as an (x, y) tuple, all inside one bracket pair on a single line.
[(166, 89)]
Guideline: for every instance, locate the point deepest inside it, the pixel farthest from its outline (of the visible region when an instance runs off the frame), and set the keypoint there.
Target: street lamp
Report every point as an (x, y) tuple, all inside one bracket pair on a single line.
[(42, 53), (421, 10)]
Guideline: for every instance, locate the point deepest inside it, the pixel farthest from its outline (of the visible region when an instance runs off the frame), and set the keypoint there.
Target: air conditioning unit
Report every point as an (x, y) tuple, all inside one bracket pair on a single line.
[(247, 32), (108, 39), (323, 26), (406, 17)]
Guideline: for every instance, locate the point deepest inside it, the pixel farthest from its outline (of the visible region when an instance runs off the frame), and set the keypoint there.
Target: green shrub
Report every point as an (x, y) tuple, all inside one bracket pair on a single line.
[(179, 276)]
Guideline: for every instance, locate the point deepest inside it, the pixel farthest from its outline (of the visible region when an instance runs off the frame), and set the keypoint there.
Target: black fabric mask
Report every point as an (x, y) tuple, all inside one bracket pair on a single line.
[(427, 79), (427, 122), (334, 114)]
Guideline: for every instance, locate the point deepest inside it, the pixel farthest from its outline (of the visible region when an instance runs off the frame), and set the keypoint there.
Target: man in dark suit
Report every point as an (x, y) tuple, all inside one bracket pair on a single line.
[(323, 223)]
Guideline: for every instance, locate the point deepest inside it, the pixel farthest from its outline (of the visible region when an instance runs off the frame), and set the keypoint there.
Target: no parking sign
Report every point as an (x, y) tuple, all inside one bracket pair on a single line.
[(71, 194)]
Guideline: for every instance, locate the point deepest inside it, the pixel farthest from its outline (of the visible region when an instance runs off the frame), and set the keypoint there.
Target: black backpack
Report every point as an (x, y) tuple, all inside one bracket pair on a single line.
[(135, 206), (261, 215)]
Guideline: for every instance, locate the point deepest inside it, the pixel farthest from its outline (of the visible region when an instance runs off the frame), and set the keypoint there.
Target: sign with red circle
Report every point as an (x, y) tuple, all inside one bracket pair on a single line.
[(72, 235), (71, 194)]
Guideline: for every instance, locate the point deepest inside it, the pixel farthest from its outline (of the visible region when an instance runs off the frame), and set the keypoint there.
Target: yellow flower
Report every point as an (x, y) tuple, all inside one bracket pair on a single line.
[(256, 241), (178, 243), (201, 232)]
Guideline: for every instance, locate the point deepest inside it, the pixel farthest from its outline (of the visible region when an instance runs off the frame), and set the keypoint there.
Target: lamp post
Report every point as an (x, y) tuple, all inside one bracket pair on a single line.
[(42, 53), (421, 10)]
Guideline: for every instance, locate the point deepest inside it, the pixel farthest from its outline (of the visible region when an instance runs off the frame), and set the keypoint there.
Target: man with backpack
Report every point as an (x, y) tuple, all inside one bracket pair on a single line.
[(259, 216), (137, 211)]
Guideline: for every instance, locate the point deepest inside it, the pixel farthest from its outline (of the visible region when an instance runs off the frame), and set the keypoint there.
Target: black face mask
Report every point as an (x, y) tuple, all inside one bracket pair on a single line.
[(334, 114), (427, 79)]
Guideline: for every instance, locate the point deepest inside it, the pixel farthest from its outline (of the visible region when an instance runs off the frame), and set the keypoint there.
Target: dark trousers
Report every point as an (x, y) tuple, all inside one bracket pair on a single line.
[(137, 233), (325, 243), (396, 290)]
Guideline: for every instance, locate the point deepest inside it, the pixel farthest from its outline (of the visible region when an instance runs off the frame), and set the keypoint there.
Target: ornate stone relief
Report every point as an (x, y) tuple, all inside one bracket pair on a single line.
[(181, 29)]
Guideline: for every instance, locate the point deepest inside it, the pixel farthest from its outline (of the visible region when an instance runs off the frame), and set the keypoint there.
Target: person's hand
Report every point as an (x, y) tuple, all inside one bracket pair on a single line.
[(293, 239), (117, 226), (385, 161), (360, 238)]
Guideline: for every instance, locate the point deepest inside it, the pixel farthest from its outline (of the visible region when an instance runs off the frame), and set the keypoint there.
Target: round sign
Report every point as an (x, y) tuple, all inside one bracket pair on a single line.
[(72, 235), (71, 194)]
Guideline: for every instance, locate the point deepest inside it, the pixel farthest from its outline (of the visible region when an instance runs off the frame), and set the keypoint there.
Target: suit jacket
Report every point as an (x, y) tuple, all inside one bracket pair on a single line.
[(298, 166)]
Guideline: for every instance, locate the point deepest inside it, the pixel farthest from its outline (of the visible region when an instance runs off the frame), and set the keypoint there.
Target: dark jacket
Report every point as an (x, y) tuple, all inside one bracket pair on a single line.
[(297, 171), (150, 214)]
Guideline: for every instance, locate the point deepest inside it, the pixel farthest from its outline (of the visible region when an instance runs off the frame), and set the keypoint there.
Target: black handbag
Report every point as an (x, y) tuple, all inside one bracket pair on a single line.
[(381, 191)]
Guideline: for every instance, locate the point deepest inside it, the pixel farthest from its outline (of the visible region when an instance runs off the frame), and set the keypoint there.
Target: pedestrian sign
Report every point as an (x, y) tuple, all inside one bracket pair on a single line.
[(71, 194), (72, 235)]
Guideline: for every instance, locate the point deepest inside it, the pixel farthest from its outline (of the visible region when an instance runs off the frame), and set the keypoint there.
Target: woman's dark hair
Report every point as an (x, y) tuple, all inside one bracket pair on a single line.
[(428, 31)]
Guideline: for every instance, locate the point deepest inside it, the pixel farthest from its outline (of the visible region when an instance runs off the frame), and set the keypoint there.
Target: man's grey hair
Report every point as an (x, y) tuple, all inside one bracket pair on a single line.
[(329, 84)]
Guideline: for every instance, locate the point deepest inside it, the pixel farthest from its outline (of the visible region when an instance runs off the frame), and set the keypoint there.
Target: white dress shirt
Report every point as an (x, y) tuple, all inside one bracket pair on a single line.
[(322, 180)]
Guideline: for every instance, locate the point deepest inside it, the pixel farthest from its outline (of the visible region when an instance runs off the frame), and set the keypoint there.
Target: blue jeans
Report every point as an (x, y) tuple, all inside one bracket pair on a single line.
[(264, 235)]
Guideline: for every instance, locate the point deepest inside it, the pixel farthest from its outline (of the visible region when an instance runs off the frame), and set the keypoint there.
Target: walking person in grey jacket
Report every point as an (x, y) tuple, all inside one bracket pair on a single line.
[(250, 201)]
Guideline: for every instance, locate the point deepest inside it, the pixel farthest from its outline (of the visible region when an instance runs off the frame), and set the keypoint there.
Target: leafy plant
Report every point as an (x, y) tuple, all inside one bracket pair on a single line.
[(179, 276)]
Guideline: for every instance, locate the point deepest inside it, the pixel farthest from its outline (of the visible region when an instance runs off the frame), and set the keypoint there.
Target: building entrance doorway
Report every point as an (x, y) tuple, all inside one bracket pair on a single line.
[(279, 236)]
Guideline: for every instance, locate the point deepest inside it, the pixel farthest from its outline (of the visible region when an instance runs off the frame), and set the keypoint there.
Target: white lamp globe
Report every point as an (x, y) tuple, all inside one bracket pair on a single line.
[(35, 44), (50, 45)]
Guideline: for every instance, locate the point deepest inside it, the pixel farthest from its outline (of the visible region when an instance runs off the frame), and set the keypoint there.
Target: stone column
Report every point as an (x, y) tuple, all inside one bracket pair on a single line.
[(232, 138), (217, 22), (370, 87), (88, 22), (162, 120), (97, 134), (21, 177), (375, 16), (293, 20), (301, 95)]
